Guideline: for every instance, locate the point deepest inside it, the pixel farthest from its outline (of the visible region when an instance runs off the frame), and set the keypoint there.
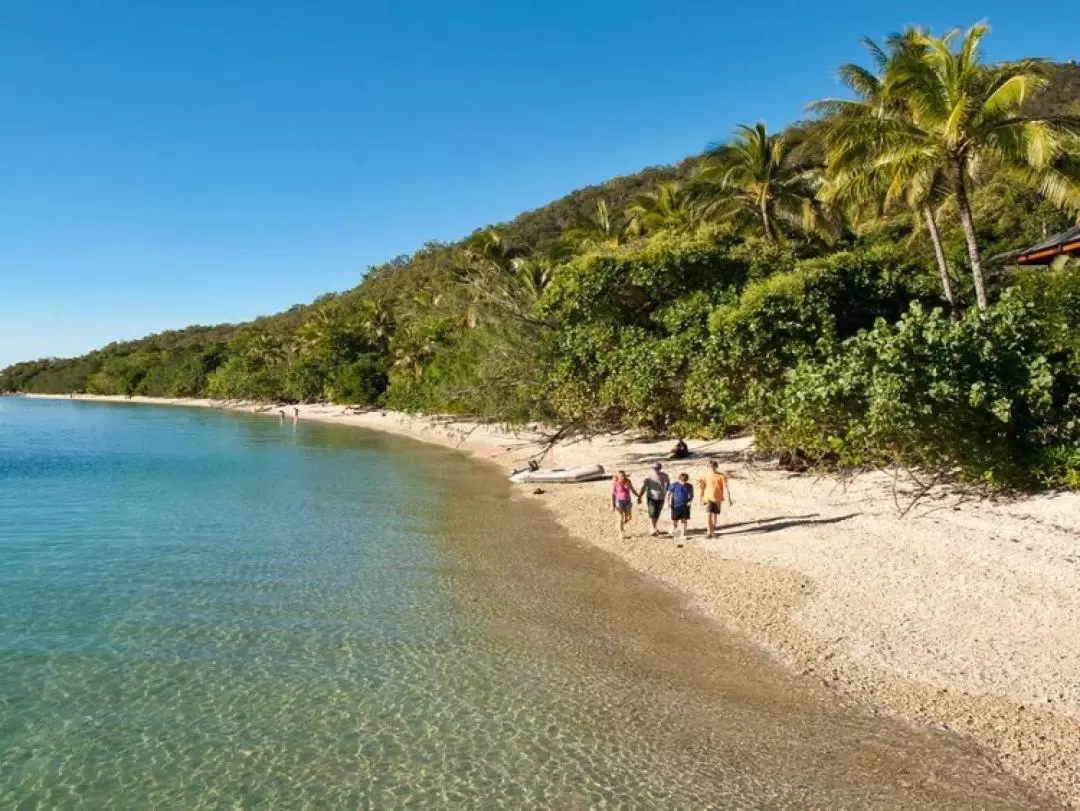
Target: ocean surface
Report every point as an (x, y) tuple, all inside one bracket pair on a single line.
[(210, 610)]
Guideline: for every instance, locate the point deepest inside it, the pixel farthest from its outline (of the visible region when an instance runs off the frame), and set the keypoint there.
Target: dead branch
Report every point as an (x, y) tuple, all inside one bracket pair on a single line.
[(923, 490), (463, 437)]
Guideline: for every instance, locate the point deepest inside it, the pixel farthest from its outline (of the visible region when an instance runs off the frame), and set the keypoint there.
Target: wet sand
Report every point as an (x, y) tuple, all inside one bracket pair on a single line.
[(739, 727), (962, 616)]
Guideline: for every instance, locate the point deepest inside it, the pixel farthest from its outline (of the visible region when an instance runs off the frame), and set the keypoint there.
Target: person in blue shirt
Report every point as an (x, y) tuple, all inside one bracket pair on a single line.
[(682, 495)]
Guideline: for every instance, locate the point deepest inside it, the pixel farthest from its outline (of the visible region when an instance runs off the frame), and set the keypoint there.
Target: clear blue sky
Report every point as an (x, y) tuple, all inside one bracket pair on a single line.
[(196, 161)]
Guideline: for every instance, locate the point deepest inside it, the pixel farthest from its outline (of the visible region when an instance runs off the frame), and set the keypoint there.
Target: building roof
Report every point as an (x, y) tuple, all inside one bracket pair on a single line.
[(1068, 241)]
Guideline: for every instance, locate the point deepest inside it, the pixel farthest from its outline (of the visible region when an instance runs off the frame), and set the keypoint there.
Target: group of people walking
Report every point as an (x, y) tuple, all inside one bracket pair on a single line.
[(659, 491)]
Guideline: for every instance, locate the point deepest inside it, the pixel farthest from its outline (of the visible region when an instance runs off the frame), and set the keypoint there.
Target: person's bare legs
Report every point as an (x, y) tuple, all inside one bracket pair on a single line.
[(711, 521)]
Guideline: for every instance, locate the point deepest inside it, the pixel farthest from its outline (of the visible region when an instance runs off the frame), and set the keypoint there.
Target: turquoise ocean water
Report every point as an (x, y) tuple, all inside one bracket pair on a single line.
[(210, 610)]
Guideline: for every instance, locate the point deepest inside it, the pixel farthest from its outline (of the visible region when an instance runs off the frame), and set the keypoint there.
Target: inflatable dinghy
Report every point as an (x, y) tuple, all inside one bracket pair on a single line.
[(558, 475)]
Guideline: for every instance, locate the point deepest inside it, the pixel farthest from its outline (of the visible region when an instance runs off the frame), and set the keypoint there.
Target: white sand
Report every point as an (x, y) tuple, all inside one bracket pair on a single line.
[(963, 614)]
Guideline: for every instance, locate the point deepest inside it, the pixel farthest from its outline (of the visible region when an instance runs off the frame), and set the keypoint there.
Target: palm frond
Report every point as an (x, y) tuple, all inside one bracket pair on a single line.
[(859, 80), (1007, 93), (877, 54)]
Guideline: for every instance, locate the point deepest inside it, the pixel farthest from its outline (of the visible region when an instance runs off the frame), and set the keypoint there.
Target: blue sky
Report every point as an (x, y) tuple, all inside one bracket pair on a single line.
[(197, 161)]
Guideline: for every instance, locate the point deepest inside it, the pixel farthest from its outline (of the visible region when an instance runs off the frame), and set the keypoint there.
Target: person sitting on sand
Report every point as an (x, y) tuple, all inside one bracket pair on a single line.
[(714, 485), (532, 468), (682, 496), (680, 451), (654, 487), (621, 490)]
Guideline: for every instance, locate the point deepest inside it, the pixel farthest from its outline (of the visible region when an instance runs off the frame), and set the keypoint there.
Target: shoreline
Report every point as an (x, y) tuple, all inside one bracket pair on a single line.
[(963, 615)]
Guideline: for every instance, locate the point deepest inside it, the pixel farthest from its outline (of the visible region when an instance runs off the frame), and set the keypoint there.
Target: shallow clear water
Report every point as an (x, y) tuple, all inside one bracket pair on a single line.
[(208, 610)]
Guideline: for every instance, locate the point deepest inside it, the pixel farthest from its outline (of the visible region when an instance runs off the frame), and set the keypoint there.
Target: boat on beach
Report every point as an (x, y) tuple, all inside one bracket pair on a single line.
[(558, 475)]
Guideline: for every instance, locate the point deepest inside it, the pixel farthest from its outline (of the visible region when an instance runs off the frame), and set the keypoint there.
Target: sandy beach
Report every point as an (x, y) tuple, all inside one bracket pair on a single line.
[(963, 614)]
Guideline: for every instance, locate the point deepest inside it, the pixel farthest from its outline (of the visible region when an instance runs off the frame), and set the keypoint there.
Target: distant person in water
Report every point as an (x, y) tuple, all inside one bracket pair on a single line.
[(680, 451), (714, 487), (281, 416), (654, 488), (622, 490), (295, 415), (682, 496)]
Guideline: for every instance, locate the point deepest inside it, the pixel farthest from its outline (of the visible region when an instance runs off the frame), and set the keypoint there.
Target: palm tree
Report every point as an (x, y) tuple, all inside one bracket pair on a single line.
[(414, 345), (767, 178), (853, 176), (376, 322), (963, 115), (671, 207), (502, 277), (597, 229), (488, 249), (320, 334), (264, 349), (532, 275)]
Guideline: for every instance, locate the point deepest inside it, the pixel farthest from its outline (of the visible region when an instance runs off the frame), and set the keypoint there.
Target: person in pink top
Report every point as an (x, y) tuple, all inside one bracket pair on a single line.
[(623, 493)]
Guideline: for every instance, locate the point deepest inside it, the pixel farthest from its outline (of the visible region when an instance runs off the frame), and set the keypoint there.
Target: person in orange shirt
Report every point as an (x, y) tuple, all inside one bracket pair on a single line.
[(713, 486)]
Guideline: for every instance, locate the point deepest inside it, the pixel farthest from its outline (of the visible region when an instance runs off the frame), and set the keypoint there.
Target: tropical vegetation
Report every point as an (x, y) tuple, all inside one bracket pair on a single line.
[(831, 287)]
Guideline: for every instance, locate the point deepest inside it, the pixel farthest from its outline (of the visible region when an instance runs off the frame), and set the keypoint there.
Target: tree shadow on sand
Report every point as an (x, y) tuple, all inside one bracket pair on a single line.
[(700, 456), (779, 523)]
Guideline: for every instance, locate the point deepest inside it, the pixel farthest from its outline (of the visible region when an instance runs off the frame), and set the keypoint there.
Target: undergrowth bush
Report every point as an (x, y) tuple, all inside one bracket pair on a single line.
[(978, 397), (784, 319)]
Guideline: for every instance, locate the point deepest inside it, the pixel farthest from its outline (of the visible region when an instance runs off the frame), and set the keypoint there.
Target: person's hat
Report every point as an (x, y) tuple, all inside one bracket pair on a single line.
[(656, 465)]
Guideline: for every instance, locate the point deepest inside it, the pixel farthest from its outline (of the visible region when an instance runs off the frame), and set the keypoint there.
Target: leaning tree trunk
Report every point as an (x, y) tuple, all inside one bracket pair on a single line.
[(968, 223), (939, 254)]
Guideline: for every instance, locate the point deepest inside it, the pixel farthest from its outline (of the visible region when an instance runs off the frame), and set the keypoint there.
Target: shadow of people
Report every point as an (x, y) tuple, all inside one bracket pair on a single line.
[(759, 521), (776, 525)]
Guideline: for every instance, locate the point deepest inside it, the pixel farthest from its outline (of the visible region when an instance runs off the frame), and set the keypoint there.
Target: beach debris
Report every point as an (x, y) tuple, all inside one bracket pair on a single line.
[(539, 491)]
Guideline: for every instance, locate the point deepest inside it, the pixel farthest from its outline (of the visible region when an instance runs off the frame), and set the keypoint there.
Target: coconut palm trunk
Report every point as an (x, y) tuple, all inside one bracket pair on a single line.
[(939, 254), (766, 221), (963, 204)]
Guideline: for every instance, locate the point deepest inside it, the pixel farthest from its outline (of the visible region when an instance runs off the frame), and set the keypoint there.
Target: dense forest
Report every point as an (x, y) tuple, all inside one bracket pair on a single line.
[(835, 287)]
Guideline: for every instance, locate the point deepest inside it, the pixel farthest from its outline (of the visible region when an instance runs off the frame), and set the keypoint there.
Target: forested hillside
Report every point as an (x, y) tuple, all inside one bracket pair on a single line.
[(831, 287)]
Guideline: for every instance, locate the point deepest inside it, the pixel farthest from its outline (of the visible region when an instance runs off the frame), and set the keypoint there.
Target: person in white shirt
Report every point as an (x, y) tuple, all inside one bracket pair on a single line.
[(654, 488)]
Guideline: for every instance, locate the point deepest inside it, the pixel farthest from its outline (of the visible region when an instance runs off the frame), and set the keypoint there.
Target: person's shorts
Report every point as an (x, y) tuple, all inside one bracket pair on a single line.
[(712, 507), (624, 506), (680, 513), (655, 508)]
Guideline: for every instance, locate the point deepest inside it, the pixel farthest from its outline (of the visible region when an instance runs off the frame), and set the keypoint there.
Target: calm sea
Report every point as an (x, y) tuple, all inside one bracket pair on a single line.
[(210, 610)]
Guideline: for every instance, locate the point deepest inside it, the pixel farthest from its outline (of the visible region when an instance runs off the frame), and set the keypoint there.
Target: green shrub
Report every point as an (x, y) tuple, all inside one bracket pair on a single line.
[(978, 397), (1055, 293), (305, 380), (238, 379), (784, 319), (361, 382), (626, 285)]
